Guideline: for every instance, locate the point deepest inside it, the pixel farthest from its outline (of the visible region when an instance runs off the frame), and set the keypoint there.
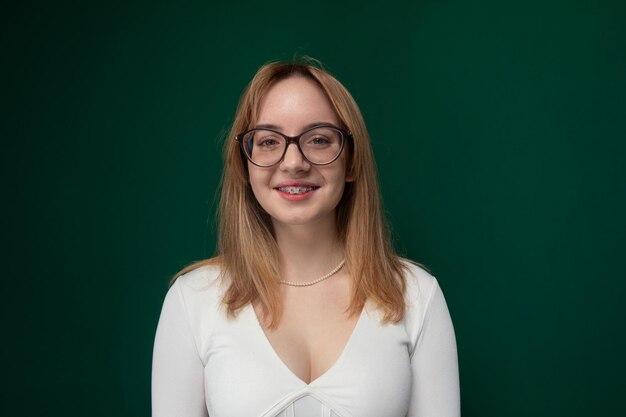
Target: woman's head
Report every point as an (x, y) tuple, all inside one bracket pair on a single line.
[(296, 167), (356, 156)]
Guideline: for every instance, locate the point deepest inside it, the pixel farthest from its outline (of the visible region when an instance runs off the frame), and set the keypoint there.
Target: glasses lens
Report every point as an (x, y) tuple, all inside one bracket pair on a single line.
[(264, 147), (321, 145)]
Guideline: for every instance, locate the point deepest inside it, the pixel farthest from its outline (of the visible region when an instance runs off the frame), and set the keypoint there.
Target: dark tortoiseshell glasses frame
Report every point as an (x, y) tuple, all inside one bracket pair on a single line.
[(343, 134)]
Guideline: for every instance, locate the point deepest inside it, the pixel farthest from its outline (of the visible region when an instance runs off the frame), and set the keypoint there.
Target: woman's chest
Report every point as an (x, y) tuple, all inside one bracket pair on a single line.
[(311, 337), (245, 376)]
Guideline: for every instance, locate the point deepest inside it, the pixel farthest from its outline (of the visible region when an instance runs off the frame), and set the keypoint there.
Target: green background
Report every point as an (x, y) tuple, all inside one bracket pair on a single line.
[(499, 130)]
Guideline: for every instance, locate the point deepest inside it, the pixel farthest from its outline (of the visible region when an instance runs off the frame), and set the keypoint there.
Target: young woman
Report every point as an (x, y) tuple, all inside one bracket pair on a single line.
[(306, 310)]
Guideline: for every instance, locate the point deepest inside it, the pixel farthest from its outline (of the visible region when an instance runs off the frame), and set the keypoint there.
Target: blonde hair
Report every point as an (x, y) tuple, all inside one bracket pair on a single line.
[(247, 249)]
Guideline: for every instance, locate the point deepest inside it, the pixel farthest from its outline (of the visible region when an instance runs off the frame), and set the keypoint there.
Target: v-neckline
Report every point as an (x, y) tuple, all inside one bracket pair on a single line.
[(282, 363)]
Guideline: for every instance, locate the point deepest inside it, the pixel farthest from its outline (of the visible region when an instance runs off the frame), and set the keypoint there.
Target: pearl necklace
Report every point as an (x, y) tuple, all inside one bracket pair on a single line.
[(320, 279)]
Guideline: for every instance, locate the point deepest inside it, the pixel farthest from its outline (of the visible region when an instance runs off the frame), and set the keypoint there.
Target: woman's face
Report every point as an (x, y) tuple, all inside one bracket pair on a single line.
[(294, 191)]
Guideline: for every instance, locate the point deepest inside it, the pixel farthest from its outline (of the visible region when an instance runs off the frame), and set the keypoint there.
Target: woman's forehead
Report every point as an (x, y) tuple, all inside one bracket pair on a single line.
[(295, 102)]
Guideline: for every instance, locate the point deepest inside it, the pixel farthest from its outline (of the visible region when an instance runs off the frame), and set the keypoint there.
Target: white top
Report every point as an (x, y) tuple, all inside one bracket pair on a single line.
[(207, 365)]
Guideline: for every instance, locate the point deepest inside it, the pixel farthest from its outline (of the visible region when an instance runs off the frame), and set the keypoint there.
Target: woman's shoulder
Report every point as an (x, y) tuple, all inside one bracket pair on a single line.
[(196, 293), (420, 283), (199, 278), (422, 291), (200, 287)]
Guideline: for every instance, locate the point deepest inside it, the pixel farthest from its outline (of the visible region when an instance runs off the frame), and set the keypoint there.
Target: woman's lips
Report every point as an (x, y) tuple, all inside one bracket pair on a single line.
[(296, 191)]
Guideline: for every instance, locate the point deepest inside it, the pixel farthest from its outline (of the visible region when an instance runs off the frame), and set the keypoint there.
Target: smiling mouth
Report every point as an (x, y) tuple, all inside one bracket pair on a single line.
[(296, 190)]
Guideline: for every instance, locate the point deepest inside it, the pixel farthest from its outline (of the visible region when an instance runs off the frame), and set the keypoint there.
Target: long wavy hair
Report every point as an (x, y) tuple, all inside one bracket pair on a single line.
[(247, 252)]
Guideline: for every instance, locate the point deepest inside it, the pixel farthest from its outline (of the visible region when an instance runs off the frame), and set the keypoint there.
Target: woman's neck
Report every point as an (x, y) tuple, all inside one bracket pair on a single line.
[(307, 252)]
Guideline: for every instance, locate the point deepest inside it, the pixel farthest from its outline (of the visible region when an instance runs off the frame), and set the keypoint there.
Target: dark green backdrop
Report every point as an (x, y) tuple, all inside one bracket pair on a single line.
[(499, 130)]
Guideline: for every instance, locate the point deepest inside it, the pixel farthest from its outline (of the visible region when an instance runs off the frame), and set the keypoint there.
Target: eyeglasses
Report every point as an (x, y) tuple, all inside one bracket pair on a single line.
[(319, 145)]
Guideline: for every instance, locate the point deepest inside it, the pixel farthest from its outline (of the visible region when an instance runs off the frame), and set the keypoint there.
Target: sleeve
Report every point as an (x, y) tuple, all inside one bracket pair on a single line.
[(434, 363), (177, 370)]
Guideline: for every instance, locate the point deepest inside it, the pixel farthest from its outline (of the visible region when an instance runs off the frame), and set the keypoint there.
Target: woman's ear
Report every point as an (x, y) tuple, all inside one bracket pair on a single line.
[(349, 174)]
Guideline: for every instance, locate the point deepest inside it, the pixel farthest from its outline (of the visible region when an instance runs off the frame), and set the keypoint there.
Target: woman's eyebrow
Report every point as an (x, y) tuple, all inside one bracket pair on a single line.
[(267, 126), (276, 127)]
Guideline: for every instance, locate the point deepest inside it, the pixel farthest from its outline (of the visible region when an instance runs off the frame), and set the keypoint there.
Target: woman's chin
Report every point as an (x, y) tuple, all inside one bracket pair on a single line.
[(304, 220)]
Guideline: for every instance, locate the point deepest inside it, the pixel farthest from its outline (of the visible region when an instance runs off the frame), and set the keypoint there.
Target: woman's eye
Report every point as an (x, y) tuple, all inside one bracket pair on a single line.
[(267, 142), (319, 140)]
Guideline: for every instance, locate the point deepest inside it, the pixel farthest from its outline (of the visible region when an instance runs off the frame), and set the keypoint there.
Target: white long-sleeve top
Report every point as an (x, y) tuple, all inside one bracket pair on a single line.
[(205, 364)]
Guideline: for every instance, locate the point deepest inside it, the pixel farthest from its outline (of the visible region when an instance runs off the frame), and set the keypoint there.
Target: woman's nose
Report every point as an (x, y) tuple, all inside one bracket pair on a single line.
[(294, 160)]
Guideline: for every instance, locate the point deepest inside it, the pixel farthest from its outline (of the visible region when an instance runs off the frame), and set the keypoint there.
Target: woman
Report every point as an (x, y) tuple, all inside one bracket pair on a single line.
[(306, 310)]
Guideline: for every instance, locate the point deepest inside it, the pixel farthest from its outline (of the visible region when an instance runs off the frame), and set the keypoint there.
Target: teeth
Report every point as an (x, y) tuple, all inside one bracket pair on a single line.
[(295, 190)]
